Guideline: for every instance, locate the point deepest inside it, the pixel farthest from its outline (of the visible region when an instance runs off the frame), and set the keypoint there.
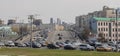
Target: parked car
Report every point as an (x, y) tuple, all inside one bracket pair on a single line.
[(9, 43), (52, 46), (60, 44), (20, 44), (69, 47), (27, 44), (97, 44), (113, 47), (119, 47), (104, 47), (2, 44), (111, 43), (86, 47), (76, 43), (36, 44), (67, 41), (42, 42)]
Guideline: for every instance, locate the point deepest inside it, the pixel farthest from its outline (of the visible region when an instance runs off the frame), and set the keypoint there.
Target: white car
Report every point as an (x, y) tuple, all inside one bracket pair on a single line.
[(2, 44), (10, 43), (86, 47)]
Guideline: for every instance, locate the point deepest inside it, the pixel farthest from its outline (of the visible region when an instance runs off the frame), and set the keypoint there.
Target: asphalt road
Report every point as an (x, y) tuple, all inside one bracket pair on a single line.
[(52, 36), (27, 37), (66, 35)]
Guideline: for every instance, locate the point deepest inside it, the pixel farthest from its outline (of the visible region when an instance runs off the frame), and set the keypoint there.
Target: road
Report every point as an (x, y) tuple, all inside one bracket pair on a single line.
[(26, 38), (66, 35), (52, 37)]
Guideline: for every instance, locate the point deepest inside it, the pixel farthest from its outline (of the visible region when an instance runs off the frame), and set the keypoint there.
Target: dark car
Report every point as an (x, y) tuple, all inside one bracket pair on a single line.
[(20, 44), (67, 42), (69, 47), (27, 44), (36, 44), (61, 44), (52, 46)]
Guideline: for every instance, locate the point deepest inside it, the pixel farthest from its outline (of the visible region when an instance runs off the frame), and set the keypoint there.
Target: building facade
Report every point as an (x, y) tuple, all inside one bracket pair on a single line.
[(107, 26), (37, 22), (11, 21), (106, 12), (6, 31)]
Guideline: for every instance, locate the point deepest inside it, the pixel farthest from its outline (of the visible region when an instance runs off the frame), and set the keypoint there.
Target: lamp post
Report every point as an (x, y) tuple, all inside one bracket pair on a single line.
[(31, 17)]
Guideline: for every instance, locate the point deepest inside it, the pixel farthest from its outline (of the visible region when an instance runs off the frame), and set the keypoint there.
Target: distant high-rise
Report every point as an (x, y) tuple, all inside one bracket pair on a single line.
[(37, 22), (51, 21), (1, 21), (58, 21), (11, 21)]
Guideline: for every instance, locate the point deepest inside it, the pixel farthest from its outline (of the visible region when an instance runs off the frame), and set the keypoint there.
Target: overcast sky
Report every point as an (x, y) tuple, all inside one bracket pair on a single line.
[(66, 10)]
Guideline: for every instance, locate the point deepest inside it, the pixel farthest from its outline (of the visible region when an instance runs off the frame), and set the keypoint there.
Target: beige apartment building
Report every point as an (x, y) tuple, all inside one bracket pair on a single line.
[(107, 26)]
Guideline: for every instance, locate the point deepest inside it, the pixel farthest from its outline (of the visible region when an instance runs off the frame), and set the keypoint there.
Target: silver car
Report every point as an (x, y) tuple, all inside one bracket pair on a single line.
[(86, 47)]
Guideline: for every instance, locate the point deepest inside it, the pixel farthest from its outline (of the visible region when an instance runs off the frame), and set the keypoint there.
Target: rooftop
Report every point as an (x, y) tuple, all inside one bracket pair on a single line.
[(105, 19)]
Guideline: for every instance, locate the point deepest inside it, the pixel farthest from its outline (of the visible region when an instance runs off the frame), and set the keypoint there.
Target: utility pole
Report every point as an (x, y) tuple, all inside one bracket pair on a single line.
[(117, 28), (31, 17)]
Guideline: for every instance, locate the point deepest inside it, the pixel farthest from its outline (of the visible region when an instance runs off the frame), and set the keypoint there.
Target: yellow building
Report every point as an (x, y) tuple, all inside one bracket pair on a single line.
[(59, 27)]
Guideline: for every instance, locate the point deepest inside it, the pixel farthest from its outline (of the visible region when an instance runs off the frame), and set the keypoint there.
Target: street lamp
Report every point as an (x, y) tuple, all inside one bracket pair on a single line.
[(31, 17)]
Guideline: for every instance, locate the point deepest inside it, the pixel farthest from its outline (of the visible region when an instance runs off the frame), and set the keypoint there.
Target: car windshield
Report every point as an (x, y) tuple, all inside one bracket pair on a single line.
[(99, 45), (83, 45)]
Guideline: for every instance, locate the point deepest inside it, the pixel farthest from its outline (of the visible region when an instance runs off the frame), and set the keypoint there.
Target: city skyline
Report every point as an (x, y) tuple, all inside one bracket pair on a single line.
[(66, 10)]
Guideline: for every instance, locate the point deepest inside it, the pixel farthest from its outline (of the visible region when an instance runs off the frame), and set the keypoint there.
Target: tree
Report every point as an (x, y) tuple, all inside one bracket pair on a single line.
[(101, 37), (85, 33)]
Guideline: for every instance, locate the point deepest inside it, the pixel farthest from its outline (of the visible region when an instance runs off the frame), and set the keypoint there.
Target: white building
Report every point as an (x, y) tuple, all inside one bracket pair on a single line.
[(6, 31), (107, 26)]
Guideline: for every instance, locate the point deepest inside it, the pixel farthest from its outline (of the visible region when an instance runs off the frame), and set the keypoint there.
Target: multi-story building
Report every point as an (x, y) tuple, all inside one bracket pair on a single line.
[(106, 12), (37, 22), (58, 21), (107, 26), (1, 22), (6, 31), (51, 21), (11, 21)]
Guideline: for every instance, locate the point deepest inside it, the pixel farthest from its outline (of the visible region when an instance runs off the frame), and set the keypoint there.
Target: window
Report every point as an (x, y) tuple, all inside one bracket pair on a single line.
[(98, 29), (113, 29), (101, 29), (101, 23), (98, 23), (106, 34), (113, 35), (106, 29), (106, 23)]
